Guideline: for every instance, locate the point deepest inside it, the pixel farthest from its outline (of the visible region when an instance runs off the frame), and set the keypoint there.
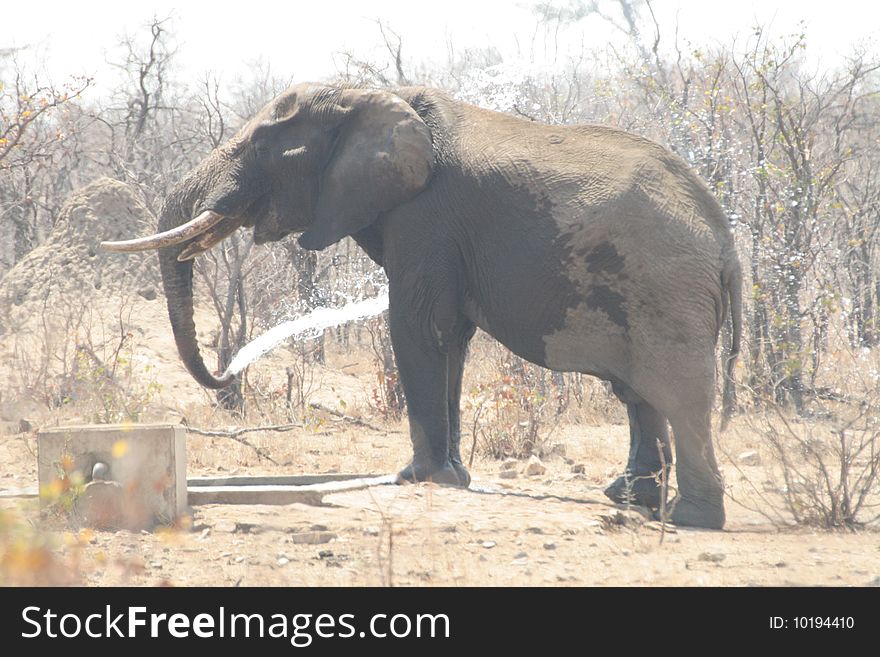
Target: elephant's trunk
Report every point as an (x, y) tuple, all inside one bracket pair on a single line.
[(177, 280)]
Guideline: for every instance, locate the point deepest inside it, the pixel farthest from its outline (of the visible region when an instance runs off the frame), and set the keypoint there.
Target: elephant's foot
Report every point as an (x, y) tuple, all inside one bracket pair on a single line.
[(640, 490), (701, 513), (449, 474)]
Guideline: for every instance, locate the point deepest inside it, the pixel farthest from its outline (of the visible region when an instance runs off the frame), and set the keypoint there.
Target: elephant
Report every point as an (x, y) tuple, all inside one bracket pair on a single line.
[(579, 247)]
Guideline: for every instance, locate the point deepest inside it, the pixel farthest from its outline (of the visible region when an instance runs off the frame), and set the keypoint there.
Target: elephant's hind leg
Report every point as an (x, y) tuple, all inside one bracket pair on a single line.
[(700, 499), (648, 435)]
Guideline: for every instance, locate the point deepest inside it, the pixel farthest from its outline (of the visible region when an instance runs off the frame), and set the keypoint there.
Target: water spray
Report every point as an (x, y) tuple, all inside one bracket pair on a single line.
[(309, 325)]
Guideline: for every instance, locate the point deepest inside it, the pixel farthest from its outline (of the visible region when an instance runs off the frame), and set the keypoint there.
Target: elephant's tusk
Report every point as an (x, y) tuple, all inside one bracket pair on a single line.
[(207, 240), (190, 229)]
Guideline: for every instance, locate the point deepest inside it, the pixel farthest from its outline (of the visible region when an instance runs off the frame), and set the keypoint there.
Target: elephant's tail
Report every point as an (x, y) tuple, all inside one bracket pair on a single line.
[(732, 287)]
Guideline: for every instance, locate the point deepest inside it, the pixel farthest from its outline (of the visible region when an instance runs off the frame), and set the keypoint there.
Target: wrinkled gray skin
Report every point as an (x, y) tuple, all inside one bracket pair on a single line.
[(580, 248)]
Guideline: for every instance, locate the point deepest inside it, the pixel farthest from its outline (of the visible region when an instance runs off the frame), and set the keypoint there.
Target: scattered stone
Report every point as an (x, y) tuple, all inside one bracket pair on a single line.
[(535, 467), (508, 474), (225, 527), (549, 546), (320, 528), (148, 293), (712, 557), (488, 544), (630, 517), (750, 457), (25, 425), (283, 561), (780, 564), (449, 529), (238, 559), (205, 533), (557, 449), (579, 468), (534, 530), (312, 538), (371, 531), (509, 464), (521, 555), (156, 564)]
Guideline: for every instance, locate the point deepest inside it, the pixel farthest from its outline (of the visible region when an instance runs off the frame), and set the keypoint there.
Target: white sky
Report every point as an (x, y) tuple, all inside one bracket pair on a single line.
[(300, 38)]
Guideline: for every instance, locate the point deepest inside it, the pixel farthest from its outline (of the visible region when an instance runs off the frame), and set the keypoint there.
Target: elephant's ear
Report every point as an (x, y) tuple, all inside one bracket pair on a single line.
[(383, 158)]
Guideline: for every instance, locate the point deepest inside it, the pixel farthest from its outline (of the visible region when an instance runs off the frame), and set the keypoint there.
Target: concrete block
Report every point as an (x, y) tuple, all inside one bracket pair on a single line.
[(130, 476)]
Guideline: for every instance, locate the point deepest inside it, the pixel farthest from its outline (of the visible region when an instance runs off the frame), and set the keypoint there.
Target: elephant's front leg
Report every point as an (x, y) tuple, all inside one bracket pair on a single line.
[(455, 358), (423, 368)]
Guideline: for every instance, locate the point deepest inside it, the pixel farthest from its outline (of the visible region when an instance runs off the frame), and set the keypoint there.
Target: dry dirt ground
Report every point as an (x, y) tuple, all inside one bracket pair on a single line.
[(553, 529)]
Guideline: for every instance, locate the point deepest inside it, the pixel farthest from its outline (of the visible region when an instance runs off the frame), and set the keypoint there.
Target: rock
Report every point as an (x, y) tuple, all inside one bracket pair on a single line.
[(282, 561), (578, 468), (535, 467), (488, 544), (25, 425), (750, 457), (521, 555), (712, 557), (557, 449), (549, 546), (631, 517), (312, 538), (508, 474), (148, 293)]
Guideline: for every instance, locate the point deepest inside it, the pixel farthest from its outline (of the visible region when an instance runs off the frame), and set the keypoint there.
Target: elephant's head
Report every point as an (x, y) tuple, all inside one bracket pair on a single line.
[(323, 160)]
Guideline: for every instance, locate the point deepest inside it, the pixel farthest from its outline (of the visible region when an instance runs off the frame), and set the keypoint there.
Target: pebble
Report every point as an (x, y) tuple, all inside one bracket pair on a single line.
[(712, 557), (488, 544), (312, 538), (508, 474), (535, 467), (283, 561), (549, 546), (750, 457), (578, 468)]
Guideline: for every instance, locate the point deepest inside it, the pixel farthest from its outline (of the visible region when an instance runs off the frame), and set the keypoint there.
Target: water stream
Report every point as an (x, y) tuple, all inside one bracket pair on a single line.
[(309, 325)]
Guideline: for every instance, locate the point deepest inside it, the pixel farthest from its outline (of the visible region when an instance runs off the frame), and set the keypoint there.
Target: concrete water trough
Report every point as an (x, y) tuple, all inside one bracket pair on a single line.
[(134, 476)]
